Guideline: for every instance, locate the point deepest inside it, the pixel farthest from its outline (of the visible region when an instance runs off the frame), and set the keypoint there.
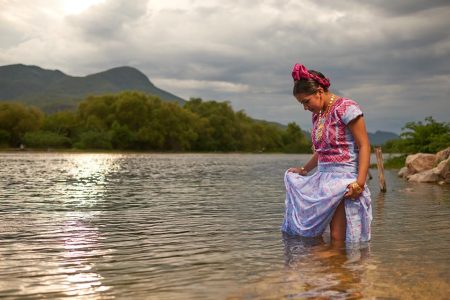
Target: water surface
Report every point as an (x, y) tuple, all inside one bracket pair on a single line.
[(202, 226)]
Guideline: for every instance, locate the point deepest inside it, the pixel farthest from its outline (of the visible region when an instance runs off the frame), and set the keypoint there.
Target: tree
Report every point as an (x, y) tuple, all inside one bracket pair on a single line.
[(429, 137), (121, 136), (132, 120), (294, 139), (177, 126), (131, 109), (16, 119), (222, 123), (63, 123), (4, 138)]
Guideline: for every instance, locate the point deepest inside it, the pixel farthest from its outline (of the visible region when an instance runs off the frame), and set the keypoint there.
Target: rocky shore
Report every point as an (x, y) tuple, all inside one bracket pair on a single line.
[(424, 167)]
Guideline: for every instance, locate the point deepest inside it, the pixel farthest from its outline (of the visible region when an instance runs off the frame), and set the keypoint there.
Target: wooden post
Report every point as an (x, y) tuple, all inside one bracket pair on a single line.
[(380, 167)]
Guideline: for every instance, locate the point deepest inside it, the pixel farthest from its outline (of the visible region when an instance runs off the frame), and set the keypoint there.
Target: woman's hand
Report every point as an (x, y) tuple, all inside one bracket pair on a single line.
[(354, 190), (301, 171)]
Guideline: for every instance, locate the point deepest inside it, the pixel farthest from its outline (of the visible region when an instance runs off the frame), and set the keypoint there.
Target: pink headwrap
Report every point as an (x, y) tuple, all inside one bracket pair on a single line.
[(301, 72)]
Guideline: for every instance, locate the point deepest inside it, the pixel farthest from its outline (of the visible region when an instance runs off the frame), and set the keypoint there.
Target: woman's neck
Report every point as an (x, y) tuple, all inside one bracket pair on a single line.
[(328, 101)]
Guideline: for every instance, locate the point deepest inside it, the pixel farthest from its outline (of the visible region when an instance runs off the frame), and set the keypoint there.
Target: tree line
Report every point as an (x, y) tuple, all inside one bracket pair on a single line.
[(137, 121), (428, 136)]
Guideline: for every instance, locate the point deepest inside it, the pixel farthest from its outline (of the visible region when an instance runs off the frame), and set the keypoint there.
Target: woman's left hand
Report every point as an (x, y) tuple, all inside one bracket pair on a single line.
[(353, 192), (300, 171)]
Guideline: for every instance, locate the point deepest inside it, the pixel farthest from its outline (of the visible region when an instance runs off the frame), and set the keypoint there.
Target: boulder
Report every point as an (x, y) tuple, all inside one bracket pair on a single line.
[(443, 169), (403, 172), (442, 155), (425, 176), (420, 162)]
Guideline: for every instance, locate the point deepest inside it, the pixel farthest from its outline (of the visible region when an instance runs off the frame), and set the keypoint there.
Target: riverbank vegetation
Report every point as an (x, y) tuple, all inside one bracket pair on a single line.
[(136, 121), (429, 136)]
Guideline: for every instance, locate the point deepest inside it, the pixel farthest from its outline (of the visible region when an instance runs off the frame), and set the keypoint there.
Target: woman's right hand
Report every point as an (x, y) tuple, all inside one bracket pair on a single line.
[(300, 171)]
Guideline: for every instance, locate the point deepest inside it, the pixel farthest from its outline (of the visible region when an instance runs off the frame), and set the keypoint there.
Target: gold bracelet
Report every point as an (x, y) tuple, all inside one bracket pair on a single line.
[(303, 169), (356, 187)]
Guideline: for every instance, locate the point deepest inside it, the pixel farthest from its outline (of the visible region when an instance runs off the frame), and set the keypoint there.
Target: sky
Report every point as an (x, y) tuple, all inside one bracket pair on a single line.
[(392, 57)]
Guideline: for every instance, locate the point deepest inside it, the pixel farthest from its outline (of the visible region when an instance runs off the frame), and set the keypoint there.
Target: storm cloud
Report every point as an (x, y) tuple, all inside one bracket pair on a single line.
[(390, 56)]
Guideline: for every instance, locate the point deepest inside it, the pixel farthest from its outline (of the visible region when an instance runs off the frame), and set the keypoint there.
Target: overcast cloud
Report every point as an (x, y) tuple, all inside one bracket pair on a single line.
[(393, 57)]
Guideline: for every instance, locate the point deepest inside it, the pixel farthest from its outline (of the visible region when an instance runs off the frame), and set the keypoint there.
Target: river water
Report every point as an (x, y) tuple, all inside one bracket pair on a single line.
[(203, 226)]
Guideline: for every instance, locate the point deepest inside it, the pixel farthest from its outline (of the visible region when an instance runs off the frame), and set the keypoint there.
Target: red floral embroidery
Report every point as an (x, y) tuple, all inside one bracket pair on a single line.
[(334, 147)]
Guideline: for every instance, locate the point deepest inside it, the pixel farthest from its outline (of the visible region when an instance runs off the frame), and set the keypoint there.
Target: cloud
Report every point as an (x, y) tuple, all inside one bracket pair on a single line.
[(389, 56), (395, 8), (199, 85), (109, 20)]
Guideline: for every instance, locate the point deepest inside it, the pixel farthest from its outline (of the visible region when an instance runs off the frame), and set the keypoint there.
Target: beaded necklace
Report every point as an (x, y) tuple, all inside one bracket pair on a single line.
[(322, 118)]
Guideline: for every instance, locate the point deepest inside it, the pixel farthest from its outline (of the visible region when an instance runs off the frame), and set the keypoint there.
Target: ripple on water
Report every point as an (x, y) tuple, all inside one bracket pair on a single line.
[(190, 226)]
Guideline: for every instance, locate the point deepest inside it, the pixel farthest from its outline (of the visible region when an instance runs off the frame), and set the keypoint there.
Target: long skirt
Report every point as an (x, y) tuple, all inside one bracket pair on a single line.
[(312, 200)]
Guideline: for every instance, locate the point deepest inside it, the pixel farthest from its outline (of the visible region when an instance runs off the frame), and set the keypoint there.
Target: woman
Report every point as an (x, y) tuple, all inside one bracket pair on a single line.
[(336, 194)]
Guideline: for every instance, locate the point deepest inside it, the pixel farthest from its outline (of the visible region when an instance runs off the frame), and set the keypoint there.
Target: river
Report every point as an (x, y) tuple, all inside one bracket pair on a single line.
[(203, 226)]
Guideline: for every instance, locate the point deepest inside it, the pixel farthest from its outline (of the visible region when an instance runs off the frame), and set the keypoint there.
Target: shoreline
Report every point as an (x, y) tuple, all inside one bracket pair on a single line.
[(99, 151)]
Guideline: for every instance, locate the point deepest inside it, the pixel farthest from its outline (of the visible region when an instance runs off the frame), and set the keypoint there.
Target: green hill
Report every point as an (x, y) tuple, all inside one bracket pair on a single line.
[(52, 90)]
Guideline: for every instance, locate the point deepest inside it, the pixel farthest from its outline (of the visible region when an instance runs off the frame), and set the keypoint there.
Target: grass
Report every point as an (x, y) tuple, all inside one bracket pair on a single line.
[(394, 162)]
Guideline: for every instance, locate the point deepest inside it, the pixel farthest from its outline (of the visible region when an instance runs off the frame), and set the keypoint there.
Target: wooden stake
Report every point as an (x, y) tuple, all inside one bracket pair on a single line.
[(380, 167)]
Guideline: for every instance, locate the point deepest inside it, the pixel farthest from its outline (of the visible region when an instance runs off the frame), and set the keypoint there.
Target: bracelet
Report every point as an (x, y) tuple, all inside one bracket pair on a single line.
[(303, 169), (356, 187)]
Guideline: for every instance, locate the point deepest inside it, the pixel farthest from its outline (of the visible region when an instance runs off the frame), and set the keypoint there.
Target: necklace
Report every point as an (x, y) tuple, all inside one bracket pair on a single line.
[(322, 118)]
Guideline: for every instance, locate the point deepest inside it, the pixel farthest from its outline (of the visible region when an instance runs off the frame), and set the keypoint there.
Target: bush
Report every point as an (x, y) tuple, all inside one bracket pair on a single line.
[(94, 140), (45, 139), (396, 162), (427, 137)]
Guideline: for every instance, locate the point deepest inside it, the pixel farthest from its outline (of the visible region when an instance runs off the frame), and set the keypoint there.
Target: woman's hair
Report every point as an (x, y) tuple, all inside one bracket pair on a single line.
[(309, 86)]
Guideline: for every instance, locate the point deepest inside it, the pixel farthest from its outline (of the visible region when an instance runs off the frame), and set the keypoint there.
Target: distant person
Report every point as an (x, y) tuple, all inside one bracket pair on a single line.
[(336, 194)]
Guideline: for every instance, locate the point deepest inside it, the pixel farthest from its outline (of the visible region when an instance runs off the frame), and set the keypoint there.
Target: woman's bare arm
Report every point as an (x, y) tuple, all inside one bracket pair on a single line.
[(359, 132), (312, 163)]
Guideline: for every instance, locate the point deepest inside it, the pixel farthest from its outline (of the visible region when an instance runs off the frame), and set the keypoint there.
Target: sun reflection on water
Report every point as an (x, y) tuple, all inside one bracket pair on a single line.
[(84, 187), (87, 178), (81, 251)]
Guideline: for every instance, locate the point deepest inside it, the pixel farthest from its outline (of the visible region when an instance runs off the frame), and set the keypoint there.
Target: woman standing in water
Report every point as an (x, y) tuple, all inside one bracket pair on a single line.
[(337, 194)]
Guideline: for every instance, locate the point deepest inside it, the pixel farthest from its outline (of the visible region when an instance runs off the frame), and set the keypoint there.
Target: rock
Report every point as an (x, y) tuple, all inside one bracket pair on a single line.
[(420, 162), (425, 176), (403, 172), (443, 168), (442, 155)]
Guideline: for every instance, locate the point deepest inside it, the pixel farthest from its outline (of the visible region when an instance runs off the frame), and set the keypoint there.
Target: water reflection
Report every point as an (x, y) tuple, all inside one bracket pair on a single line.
[(379, 206), (321, 268), (84, 187), (81, 249), (298, 248), (314, 268), (86, 180)]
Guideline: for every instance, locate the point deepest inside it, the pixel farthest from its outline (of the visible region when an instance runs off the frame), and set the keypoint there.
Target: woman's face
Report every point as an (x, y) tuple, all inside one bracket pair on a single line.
[(312, 102)]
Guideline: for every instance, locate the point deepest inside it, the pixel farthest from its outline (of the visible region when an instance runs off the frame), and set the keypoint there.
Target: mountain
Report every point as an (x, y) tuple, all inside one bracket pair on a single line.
[(380, 137), (52, 90), (376, 139)]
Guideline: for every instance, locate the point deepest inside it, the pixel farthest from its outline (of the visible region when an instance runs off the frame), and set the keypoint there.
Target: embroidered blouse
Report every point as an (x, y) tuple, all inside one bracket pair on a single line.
[(337, 145)]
